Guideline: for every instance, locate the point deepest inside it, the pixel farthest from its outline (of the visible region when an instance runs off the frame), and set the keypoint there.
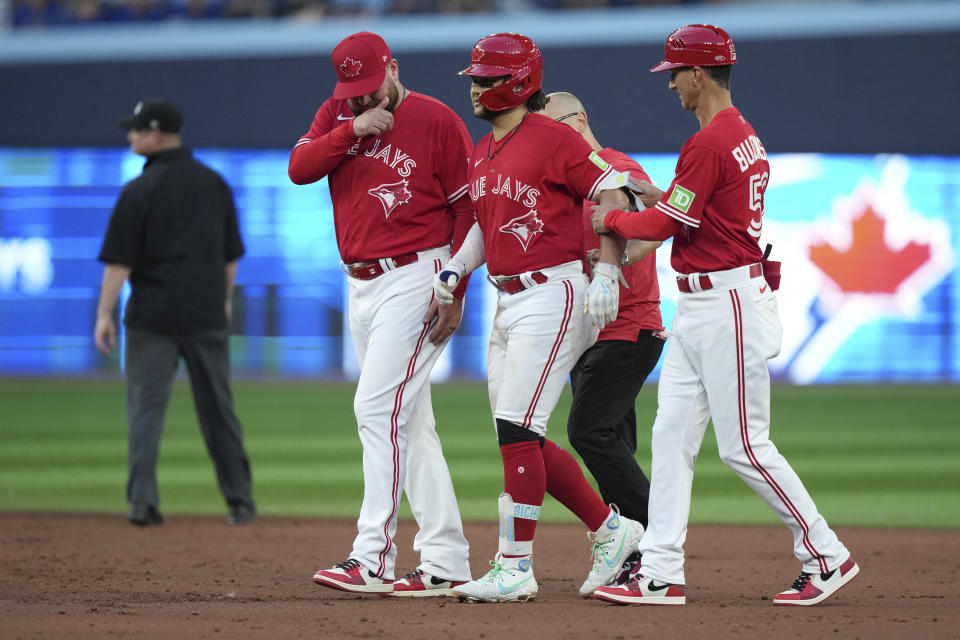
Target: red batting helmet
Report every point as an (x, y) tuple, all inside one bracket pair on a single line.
[(697, 45), (506, 54)]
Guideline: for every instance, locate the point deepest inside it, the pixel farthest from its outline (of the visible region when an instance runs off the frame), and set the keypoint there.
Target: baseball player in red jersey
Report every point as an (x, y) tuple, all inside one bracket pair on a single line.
[(397, 167), (725, 329), (602, 426), (528, 180)]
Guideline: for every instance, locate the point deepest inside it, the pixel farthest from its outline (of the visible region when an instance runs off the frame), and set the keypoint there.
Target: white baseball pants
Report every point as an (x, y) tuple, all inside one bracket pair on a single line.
[(538, 335), (401, 449), (715, 365)]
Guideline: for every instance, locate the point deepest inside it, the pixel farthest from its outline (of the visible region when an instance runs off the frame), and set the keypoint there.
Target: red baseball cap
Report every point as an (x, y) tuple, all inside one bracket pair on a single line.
[(361, 63)]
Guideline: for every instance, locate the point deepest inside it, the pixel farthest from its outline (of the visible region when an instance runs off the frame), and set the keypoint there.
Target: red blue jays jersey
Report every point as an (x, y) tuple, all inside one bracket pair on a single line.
[(528, 190), (394, 193), (722, 175)]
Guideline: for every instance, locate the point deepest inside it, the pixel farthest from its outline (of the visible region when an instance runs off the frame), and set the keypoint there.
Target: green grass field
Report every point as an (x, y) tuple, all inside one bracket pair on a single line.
[(870, 456)]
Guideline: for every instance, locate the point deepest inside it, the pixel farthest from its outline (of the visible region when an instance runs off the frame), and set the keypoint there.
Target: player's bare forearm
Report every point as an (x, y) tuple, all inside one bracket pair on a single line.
[(611, 248), (105, 330), (637, 250), (609, 200), (616, 198), (231, 277), (114, 275)]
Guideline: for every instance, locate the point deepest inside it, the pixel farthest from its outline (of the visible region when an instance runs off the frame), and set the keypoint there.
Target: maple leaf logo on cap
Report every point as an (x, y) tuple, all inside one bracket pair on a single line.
[(350, 67)]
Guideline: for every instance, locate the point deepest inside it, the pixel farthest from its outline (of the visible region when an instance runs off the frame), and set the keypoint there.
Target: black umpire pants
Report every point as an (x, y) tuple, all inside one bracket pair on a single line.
[(151, 367), (603, 423)]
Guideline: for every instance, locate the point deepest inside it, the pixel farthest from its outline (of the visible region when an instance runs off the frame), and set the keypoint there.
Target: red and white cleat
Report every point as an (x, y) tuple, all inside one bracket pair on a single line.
[(352, 576), (643, 590), (813, 588), (420, 584)]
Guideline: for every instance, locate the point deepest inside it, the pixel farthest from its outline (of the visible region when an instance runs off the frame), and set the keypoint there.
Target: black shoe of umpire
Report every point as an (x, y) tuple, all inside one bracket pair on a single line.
[(144, 516), (241, 514)]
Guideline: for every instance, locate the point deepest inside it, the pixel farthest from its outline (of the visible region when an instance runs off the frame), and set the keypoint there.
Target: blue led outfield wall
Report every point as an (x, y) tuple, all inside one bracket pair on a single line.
[(869, 246)]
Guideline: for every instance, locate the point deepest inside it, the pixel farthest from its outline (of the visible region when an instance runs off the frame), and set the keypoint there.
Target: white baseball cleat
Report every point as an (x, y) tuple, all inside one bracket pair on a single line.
[(613, 544), (510, 580)]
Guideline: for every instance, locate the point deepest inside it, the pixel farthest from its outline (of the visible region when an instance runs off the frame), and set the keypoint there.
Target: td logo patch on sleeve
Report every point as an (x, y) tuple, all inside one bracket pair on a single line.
[(681, 198), (597, 160)]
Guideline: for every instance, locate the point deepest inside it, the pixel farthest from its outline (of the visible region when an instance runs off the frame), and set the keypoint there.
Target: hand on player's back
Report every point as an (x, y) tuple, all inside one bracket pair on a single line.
[(373, 122)]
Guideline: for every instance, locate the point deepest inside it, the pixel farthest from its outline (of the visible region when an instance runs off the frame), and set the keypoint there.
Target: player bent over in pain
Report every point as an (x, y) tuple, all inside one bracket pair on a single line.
[(725, 329), (397, 166), (528, 180)]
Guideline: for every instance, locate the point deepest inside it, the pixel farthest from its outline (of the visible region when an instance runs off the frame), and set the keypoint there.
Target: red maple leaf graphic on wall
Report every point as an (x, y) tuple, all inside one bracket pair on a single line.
[(868, 265)]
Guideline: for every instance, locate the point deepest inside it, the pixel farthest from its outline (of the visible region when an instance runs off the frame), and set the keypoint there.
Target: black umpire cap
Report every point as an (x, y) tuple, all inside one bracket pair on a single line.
[(154, 113)]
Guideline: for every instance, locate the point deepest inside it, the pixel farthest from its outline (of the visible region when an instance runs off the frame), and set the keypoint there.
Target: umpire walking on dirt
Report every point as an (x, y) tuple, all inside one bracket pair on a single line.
[(174, 234)]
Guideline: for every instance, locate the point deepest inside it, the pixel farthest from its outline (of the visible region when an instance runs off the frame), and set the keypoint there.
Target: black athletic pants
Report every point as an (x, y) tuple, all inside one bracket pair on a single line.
[(151, 364), (603, 424)]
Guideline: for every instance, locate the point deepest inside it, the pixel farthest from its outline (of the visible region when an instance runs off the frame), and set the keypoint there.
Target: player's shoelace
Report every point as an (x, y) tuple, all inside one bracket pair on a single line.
[(413, 574), (598, 551), (801, 582), (497, 569), (348, 565)]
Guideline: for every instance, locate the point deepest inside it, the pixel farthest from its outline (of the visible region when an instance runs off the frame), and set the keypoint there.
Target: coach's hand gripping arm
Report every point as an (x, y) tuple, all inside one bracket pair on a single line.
[(469, 257)]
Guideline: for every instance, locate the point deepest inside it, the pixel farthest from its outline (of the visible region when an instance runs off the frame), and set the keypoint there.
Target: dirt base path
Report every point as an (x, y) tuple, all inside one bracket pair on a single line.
[(95, 576)]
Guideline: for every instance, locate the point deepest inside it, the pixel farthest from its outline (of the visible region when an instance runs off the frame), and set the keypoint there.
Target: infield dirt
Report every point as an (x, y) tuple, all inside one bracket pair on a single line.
[(95, 576)]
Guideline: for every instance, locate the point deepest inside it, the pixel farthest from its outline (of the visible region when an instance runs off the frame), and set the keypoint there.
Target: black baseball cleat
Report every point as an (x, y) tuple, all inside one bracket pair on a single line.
[(144, 516), (240, 514)]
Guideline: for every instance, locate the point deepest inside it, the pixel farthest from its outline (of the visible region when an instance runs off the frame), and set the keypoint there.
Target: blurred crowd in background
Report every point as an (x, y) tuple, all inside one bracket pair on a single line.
[(38, 13)]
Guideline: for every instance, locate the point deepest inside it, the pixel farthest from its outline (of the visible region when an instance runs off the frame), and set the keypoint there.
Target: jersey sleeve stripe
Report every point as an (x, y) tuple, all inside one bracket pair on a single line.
[(675, 213), (598, 183), (456, 195), (302, 141)]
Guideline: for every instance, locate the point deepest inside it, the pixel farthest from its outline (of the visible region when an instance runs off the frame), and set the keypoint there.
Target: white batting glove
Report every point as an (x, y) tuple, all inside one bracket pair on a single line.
[(603, 295), (447, 280)]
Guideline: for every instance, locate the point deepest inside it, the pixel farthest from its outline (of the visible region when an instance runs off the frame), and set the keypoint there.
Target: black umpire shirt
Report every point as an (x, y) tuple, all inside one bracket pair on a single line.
[(176, 227)]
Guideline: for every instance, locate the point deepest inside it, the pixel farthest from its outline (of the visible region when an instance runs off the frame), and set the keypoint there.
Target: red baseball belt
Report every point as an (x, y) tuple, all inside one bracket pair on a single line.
[(371, 270), (515, 284), (683, 281)]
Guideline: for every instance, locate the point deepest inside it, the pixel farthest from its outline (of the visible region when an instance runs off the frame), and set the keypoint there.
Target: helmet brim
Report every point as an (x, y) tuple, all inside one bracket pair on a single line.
[(663, 66), (486, 71)]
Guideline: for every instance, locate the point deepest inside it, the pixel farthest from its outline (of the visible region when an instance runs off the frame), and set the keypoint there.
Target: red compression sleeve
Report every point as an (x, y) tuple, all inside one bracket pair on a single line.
[(566, 483), (649, 224), (525, 479), (313, 160)]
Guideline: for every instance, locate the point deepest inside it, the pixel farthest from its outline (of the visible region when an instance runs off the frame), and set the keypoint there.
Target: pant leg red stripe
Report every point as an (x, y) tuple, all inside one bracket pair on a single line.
[(394, 425), (564, 325), (745, 436), (744, 433)]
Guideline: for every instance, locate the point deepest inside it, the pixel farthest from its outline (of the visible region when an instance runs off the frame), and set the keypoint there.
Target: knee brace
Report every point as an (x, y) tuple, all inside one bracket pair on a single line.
[(510, 433)]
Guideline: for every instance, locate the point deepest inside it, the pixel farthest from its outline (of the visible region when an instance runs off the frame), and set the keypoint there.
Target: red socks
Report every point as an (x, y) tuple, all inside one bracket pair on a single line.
[(525, 479), (566, 483)]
